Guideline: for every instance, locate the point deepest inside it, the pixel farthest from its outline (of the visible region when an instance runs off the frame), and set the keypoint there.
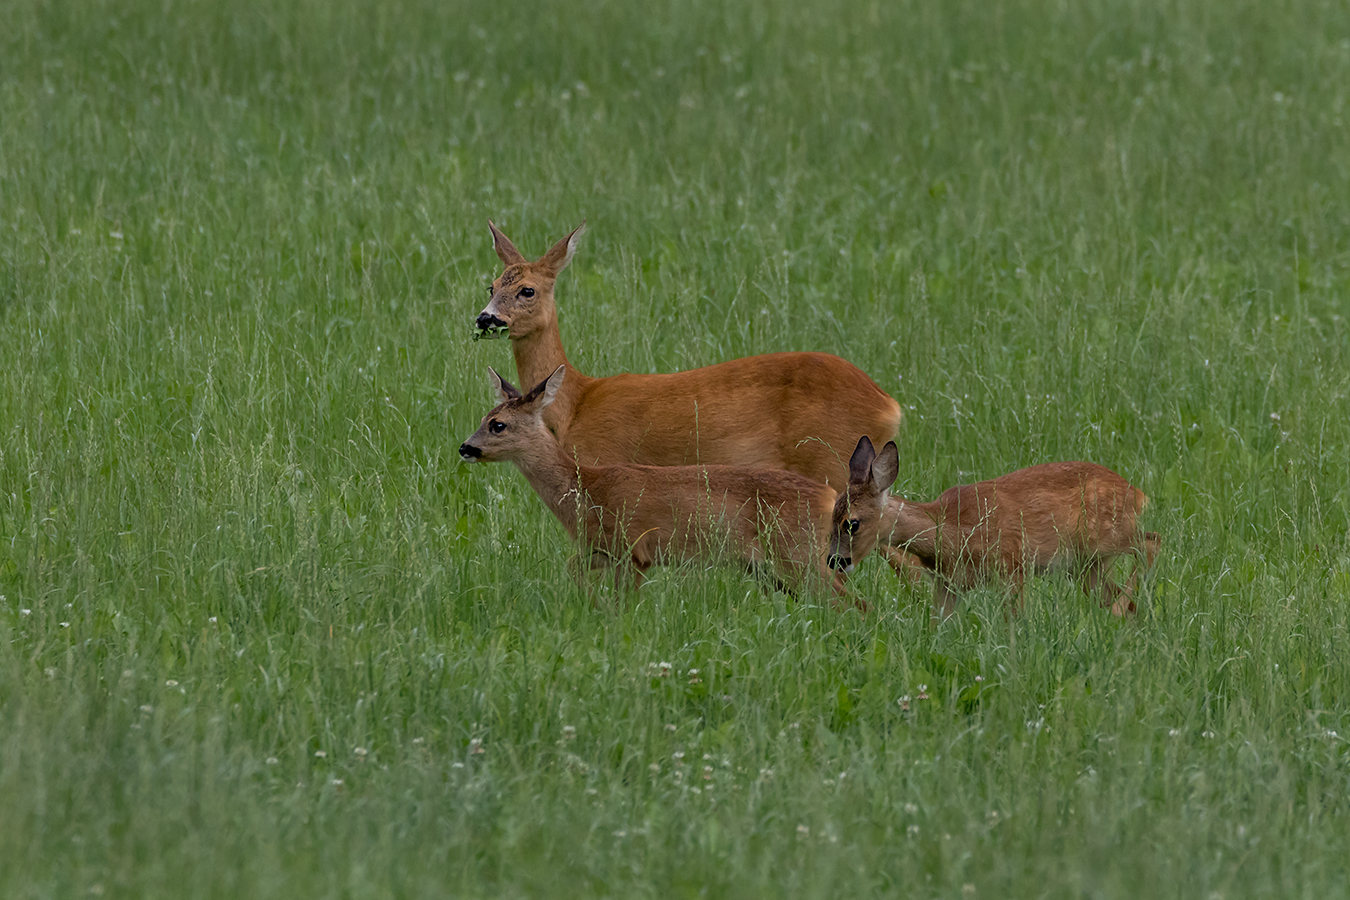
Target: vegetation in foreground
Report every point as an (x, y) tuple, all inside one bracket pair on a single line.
[(262, 635)]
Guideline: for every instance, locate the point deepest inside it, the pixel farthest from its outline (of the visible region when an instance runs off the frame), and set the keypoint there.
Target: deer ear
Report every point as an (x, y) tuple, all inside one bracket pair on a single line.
[(885, 468), (551, 386), (504, 389), (561, 253), (860, 465), (506, 251), (542, 394)]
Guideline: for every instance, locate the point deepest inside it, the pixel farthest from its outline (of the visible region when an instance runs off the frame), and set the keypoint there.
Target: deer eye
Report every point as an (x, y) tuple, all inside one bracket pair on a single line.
[(497, 426), (852, 525), (527, 292), (489, 289)]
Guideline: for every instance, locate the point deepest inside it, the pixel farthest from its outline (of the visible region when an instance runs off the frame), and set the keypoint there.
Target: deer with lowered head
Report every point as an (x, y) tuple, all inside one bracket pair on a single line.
[(796, 411), (1077, 516), (630, 517)]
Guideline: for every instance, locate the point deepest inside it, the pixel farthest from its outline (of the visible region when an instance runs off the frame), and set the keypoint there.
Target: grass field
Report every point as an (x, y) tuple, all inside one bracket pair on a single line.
[(262, 634)]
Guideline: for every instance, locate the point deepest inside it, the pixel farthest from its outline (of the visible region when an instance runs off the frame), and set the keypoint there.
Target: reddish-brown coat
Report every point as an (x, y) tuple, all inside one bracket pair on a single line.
[(631, 517), (798, 411), (1074, 515)]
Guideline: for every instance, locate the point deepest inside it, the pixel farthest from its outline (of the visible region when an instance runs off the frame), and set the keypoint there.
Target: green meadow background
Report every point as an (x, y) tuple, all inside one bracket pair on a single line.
[(263, 635)]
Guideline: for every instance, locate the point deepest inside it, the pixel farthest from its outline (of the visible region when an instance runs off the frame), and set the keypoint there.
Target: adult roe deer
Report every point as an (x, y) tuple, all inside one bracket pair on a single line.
[(629, 516), (1075, 515), (797, 411)]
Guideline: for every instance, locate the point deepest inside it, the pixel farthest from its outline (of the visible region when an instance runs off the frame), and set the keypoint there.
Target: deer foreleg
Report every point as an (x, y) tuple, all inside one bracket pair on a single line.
[(944, 600), (905, 565), (1096, 579)]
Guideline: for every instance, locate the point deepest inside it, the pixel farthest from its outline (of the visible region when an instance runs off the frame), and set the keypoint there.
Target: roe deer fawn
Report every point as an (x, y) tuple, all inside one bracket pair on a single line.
[(1074, 515), (632, 516), (795, 411)]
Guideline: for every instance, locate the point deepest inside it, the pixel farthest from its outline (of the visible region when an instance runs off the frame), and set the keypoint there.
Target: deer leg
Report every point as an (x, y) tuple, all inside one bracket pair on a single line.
[(638, 564), (1096, 578), (944, 600), (905, 565), (1016, 584), (1152, 544), (1125, 601), (841, 594), (1145, 555), (583, 562)]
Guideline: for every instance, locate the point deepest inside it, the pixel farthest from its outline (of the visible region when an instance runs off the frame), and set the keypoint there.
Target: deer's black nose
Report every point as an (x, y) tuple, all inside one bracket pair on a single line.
[(838, 563), (487, 321), (469, 453)]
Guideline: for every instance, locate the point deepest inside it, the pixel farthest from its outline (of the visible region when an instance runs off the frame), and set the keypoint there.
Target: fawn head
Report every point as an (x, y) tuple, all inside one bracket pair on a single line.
[(855, 524), (515, 424), (521, 298)]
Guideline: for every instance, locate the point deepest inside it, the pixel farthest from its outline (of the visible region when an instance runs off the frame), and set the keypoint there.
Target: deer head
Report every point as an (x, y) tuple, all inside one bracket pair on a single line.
[(521, 297), (855, 524), (515, 426)]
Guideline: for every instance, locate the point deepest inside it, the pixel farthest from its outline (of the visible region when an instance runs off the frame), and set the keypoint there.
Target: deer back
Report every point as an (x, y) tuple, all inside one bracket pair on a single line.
[(1037, 516)]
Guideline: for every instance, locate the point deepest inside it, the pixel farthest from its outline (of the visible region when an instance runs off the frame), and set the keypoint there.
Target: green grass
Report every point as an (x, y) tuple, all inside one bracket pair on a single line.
[(241, 248)]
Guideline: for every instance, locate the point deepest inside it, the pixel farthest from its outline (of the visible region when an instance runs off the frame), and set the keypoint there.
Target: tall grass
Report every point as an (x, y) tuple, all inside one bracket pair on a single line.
[(262, 635)]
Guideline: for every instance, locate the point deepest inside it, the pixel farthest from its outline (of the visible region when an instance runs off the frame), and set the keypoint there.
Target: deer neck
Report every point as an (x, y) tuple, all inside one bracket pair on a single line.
[(556, 478), (538, 355), (911, 527)]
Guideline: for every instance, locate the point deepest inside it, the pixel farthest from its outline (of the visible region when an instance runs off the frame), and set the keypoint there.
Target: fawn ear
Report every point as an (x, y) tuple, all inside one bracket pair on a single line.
[(504, 389), (551, 386), (557, 258), (860, 465), (506, 251), (885, 467), (542, 394)]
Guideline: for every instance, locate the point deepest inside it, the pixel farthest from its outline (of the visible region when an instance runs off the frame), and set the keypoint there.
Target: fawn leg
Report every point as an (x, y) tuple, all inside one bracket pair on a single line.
[(1145, 555), (841, 594), (905, 565), (1096, 578), (1152, 544), (1145, 551)]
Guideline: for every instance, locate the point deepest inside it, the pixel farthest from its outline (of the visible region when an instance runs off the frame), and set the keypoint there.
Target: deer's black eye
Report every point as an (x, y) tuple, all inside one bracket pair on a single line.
[(852, 525), (527, 292), (497, 426), (489, 289)]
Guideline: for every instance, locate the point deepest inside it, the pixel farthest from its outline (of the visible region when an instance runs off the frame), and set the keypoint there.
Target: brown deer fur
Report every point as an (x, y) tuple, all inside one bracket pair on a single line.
[(1074, 515), (796, 411), (634, 516)]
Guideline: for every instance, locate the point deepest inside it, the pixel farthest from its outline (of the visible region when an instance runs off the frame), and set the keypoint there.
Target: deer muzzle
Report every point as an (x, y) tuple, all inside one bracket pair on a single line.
[(489, 323), (840, 563)]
